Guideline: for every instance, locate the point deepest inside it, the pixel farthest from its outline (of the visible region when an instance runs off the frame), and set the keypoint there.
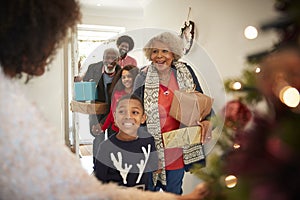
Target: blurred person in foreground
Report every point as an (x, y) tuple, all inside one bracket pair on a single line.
[(30, 34)]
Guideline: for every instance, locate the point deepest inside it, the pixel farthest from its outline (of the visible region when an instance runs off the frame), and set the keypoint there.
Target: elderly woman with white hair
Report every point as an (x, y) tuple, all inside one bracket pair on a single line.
[(156, 84)]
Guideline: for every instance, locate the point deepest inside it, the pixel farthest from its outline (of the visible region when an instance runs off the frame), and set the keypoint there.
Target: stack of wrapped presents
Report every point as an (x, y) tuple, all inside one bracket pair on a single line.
[(85, 99)]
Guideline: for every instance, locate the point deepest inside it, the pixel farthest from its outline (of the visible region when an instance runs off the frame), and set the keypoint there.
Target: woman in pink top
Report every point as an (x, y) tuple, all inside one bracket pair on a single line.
[(122, 85)]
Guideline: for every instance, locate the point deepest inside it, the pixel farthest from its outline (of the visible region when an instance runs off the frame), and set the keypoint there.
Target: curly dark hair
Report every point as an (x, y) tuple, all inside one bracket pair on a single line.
[(31, 31), (127, 39)]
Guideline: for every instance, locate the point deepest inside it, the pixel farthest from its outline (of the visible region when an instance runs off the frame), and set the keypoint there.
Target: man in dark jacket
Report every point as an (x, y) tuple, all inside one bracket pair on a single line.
[(102, 73)]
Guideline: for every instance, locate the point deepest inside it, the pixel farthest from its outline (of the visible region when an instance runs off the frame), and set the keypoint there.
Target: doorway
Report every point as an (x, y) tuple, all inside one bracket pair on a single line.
[(84, 43)]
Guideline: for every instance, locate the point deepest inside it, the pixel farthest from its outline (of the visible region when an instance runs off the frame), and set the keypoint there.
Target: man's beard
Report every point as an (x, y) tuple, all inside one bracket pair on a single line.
[(109, 70)]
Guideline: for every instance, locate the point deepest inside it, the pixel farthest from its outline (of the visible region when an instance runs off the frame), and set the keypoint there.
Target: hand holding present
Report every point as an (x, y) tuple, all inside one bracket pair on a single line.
[(206, 130), (96, 129)]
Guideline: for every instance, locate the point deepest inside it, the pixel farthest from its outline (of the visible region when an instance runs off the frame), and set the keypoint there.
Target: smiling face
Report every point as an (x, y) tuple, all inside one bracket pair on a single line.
[(161, 56), (127, 79), (123, 48), (110, 62), (129, 115)]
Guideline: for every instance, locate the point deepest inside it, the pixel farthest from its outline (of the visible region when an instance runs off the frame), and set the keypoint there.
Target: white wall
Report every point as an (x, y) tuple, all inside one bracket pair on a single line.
[(129, 19), (47, 92), (219, 26)]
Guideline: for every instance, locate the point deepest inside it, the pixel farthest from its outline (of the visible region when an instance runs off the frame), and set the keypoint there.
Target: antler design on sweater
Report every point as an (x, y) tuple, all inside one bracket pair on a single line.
[(143, 163), (118, 164)]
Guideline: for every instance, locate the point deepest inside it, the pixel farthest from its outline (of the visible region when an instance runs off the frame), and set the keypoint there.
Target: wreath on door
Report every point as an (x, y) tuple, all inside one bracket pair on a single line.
[(187, 35)]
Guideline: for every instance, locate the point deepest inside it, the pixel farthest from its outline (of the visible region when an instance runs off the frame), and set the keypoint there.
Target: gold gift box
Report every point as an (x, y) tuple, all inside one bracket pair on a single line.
[(182, 137), (96, 108)]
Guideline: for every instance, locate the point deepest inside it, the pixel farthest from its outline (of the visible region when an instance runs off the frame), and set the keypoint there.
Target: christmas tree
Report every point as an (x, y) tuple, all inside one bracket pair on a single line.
[(258, 155)]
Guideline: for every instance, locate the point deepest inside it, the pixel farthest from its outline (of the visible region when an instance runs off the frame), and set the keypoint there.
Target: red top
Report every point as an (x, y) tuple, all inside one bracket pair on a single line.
[(173, 156), (110, 117), (128, 60)]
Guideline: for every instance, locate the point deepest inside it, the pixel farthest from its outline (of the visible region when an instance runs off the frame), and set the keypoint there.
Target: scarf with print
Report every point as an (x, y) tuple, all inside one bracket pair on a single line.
[(185, 82)]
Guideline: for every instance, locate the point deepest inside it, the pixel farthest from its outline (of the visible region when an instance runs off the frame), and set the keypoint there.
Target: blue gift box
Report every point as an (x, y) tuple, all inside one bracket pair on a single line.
[(85, 91)]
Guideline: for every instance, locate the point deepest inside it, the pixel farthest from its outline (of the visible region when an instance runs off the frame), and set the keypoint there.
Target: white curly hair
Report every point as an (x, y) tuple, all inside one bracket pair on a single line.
[(173, 41)]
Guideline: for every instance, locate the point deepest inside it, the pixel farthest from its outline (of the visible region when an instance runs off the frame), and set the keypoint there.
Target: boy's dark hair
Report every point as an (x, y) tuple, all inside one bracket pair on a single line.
[(132, 96)]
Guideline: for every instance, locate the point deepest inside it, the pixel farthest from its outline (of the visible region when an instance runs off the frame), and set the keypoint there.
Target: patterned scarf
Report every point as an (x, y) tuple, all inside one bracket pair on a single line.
[(185, 82)]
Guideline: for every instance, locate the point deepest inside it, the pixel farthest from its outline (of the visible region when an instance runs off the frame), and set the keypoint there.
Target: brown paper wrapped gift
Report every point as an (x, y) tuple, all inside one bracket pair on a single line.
[(89, 108), (190, 107), (182, 137)]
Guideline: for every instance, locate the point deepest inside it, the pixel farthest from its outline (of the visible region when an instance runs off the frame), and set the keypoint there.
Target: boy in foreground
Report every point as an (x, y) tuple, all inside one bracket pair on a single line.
[(127, 157)]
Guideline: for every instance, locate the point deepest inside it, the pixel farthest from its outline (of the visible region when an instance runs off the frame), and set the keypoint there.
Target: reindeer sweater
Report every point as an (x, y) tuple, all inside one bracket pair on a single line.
[(138, 155)]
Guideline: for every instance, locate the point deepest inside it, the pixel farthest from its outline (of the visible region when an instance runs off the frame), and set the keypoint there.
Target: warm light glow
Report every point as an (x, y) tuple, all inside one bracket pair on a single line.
[(230, 181), (257, 70), (236, 85), (236, 146), (250, 32), (289, 96)]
